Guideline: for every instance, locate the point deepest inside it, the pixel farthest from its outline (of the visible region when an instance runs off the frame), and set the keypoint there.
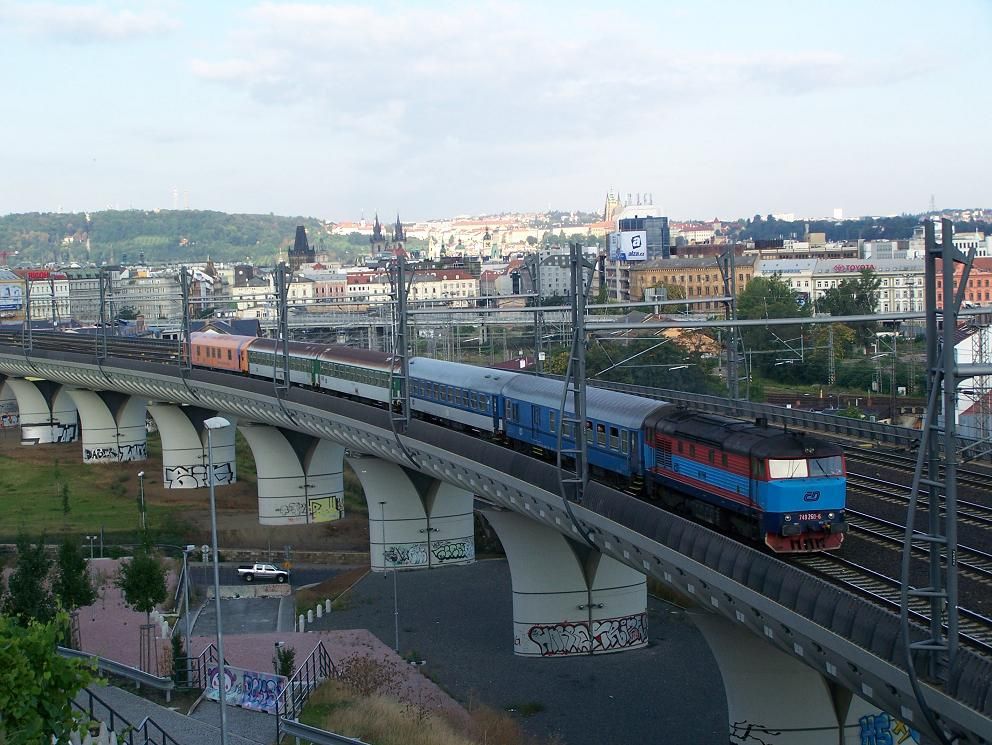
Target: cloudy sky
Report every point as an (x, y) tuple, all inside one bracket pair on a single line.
[(717, 107)]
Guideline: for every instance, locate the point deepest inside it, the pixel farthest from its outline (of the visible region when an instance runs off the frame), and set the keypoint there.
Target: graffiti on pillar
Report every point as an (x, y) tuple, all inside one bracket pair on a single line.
[(410, 555), (620, 633), (752, 734), (64, 432), (9, 420), (325, 509), (884, 729), (115, 454), (456, 549), (195, 476), (608, 635), (292, 509)]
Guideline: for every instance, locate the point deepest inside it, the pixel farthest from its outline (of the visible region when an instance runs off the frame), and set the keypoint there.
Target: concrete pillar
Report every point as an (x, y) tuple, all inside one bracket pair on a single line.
[(567, 598), (113, 426), (184, 446), (774, 698), (310, 615), (320, 611), (327, 606), (415, 521), (300, 626), (300, 478), (45, 411)]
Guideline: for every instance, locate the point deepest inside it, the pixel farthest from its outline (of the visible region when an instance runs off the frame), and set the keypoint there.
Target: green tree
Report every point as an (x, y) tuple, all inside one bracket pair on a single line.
[(769, 297), (28, 595), (73, 587), (36, 683), (854, 297), (142, 580)]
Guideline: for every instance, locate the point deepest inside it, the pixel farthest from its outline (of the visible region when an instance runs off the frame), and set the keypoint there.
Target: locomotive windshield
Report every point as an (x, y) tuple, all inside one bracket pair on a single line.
[(800, 468)]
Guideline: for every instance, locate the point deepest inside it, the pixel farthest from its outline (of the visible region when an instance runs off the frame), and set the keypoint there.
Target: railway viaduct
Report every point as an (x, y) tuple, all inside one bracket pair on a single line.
[(803, 661)]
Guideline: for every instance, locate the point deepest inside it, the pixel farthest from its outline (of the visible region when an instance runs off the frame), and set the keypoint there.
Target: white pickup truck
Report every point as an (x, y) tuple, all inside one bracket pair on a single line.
[(263, 572)]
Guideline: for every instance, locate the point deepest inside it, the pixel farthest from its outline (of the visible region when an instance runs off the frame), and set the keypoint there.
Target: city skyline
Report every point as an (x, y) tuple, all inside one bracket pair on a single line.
[(436, 109)]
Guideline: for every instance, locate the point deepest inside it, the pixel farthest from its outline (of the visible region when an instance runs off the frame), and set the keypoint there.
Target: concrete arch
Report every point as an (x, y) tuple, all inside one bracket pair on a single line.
[(113, 426), (568, 600), (184, 447), (415, 521), (46, 411), (774, 698), (300, 477)]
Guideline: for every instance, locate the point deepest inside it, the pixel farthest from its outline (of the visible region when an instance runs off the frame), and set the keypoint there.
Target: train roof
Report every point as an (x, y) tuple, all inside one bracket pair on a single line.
[(328, 352), (480, 379), (739, 436), (623, 409)]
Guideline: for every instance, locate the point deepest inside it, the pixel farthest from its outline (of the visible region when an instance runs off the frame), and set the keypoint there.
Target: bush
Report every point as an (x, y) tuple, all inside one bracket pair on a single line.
[(284, 661)]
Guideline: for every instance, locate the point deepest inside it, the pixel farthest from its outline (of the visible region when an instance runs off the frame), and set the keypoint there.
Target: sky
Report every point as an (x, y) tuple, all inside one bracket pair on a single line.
[(717, 108)]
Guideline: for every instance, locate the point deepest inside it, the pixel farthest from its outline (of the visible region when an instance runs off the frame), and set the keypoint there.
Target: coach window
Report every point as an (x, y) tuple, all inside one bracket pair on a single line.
[(437, 392), (614, 438), (723, 460), (680, 447), (712, 457), (229, 354), (552, 420), (484, 402), (535, 416), (692, 451), (473, 400), (600, 434), (624, 441)]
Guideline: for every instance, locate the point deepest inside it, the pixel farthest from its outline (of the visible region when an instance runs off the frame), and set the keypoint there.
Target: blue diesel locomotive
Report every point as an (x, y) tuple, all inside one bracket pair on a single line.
[(780, 487)]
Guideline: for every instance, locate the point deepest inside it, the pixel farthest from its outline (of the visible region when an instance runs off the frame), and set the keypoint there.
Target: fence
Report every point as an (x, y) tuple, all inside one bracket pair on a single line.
[(317, 667), (120, 730)]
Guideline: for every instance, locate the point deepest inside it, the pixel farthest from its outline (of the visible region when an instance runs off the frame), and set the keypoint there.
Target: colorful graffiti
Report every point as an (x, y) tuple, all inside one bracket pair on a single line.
[(607, 635), (248, 689), (884, 729)]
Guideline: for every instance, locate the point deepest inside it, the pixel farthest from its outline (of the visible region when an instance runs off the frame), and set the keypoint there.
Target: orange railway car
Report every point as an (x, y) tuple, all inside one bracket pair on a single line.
[(220, 351)]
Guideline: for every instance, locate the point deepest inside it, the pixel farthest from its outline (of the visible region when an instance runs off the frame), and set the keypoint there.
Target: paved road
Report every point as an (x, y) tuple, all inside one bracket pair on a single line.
[(241, 616), (300, 575), (460, 620)]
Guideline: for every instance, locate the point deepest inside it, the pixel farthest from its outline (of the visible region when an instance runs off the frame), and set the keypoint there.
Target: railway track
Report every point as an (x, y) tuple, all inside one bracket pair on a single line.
[(969, 513), (153, 350), (975, 479), (975, 630), (970, 561)]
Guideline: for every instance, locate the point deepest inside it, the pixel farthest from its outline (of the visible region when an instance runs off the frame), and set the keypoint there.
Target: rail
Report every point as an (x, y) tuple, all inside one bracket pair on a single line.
[(201, 664), (125, 671), (304, 734), (316, 667), (147, 732)]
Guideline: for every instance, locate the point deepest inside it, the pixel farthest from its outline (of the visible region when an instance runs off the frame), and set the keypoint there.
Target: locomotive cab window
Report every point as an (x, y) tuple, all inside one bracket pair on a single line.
[(832, 466), (793, 468)]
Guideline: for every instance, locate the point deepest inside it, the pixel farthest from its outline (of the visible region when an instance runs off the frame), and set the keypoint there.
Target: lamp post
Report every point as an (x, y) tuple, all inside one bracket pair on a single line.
[(186, 550), (141, 496), (396, 605), (217, 422), (91, 538)]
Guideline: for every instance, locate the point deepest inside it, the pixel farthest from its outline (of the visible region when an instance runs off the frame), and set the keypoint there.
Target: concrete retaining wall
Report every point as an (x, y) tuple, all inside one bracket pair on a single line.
[(251, 590)]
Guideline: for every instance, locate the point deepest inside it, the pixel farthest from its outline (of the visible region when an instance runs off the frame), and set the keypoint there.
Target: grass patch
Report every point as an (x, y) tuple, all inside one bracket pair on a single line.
[(372, 714), (330, 589)]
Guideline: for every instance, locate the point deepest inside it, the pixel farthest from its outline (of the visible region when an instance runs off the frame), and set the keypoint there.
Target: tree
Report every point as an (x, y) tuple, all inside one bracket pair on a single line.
[(72, 585), (142, 580), (854, 297), (36, 683), (284, 661), (28, 595), (769, 297)]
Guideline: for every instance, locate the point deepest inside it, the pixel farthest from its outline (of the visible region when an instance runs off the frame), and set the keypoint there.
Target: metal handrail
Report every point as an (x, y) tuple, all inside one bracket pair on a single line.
[(200, 664), (147, 729), (316, 667), (314, 735), (125, 671)]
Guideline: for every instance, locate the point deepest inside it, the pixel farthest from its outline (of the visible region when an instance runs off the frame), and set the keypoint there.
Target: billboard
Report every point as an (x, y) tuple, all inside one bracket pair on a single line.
[(11, 296), (633, 245)]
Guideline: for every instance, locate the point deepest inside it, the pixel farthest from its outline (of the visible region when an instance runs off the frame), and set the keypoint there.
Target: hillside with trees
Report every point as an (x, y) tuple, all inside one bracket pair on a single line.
[(165, 236)]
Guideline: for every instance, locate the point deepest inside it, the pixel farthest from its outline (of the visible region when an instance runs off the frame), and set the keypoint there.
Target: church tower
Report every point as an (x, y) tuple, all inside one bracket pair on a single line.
[(377, 240), (399, 237)]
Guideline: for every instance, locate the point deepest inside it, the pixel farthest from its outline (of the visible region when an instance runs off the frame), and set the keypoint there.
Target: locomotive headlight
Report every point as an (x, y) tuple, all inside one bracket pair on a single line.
[(831, 515), (788, 518)]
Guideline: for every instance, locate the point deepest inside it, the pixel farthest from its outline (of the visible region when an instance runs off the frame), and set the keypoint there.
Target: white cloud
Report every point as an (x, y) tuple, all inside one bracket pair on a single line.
[(84, 24)]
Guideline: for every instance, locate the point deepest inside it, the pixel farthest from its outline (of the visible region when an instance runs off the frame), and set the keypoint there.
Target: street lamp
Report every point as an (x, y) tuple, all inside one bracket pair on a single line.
[(186, 550), (396, 605), (141, 495), (217, 422), (91, 538)]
